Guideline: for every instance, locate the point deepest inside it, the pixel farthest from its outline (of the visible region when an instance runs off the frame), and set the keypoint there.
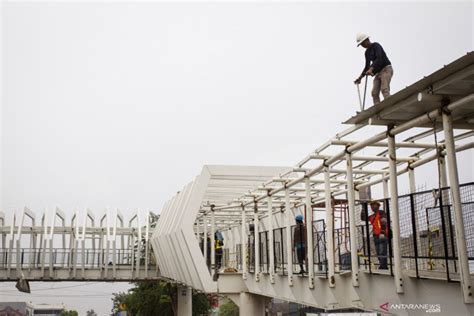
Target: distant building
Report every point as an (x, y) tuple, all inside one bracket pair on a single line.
[(29, 309)]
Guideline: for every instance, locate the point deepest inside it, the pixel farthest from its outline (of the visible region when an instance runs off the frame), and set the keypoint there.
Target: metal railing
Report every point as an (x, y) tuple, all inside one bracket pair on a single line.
[(427, 237)]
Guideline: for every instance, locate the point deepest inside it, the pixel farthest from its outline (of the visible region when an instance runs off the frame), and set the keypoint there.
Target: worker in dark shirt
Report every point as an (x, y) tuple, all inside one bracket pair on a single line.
[(376, 64), (299, 241)]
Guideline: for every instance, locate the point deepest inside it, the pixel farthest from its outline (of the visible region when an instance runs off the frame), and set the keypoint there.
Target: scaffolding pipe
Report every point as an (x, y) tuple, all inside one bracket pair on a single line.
[(359, 171), (384, 144), (368, 158), (414, 165)]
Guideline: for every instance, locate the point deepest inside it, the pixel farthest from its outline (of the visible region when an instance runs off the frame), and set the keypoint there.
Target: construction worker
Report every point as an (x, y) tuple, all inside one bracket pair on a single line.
[(376, 64), (380, 230), (299, 241), (251, 247), (218, 244)]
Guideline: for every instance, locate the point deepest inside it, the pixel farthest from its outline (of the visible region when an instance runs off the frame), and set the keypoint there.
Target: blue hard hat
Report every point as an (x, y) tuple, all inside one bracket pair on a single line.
[(299, 218)]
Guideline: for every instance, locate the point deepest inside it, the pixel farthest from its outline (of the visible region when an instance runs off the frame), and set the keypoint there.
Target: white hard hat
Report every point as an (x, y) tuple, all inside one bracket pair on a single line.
[(361, 37)]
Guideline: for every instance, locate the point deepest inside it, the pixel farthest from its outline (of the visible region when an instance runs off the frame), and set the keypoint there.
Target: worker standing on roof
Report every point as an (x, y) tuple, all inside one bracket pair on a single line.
[(380, 231), (376, 64)]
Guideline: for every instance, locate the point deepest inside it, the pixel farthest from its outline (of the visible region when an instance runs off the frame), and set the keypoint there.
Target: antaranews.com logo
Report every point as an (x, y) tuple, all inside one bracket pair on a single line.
[(429, 308)]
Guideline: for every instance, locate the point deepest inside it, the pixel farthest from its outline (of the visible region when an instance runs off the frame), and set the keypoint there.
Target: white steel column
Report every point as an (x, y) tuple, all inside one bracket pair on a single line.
[(411, 179), (309, 232), (352, 221), (213, 241), (443, 179), (412, 182), (289, 247), (456, 201), (256, 240), (204, 247), (271, 253), (385, 188), (329, 228), (443, 175), (394, 213), (243, 246)]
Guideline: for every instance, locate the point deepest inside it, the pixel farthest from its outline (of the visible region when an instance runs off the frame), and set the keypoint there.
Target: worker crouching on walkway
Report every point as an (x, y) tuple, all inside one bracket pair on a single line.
[(299, 241), (380, 231), (376, 64)]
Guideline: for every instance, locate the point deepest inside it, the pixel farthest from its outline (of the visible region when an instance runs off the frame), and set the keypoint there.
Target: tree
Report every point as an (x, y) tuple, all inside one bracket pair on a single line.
[(201, 304), (69, 313), (156, 298), (229, 309), (91, 312)]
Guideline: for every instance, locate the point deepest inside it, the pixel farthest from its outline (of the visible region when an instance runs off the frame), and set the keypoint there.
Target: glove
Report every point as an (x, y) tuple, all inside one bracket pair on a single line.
[(357, 81)]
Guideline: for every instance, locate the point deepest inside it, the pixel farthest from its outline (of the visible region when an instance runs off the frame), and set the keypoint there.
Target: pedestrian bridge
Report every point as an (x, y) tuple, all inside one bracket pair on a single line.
[(430, 249), (49, 248)]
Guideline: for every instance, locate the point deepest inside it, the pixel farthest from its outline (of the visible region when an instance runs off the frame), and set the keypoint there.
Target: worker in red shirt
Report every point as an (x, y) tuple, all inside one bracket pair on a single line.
[(380, 230)]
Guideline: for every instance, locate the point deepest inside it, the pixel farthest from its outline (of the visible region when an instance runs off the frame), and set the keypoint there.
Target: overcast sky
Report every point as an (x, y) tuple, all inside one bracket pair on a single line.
[(121, 104)]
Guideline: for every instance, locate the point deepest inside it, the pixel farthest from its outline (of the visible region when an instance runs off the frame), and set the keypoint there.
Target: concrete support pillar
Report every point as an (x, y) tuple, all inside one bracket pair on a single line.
[(394, 217), (252, 304), (456, 202), (185, 301)]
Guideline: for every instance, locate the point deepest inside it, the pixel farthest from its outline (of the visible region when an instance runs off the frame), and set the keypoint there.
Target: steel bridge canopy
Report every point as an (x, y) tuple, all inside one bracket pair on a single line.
[(174, 241)]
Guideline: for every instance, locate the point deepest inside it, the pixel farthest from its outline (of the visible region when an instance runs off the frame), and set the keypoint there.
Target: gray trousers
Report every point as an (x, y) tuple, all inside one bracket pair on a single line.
[(382, 83)]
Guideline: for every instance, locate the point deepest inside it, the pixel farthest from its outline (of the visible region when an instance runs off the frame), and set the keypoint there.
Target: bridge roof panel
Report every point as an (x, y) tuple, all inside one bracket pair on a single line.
[(231, 182), (452, 82)]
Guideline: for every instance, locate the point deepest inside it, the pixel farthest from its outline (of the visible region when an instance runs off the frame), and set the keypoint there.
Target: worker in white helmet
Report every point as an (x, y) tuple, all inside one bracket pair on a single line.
[(376, 64)]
